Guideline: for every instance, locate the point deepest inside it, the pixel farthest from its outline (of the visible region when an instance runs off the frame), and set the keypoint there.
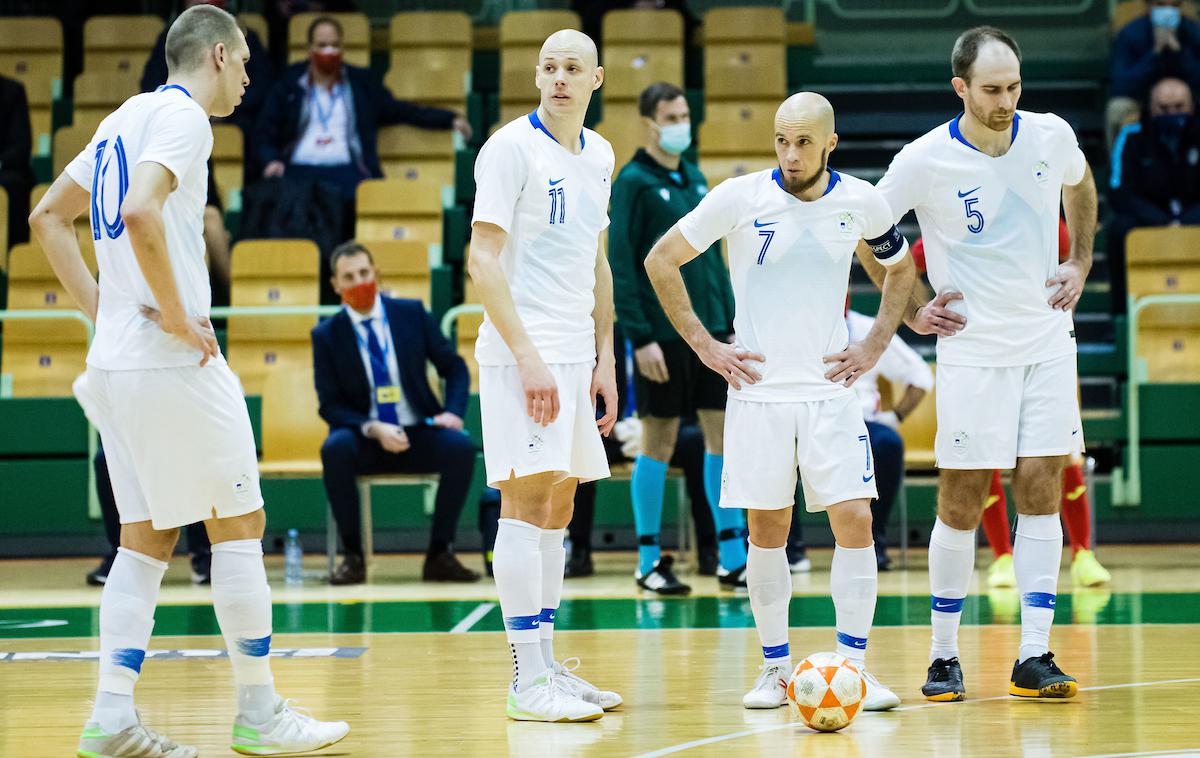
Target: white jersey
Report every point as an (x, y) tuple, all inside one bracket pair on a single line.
[(790, 265), (900, 365), (990, 227), (553, 204), (169, 128)]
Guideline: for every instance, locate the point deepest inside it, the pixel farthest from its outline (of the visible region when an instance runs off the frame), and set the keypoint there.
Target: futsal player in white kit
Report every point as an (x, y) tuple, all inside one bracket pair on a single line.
[(986, 188), (169, 410), (791, 235), (545, 352)]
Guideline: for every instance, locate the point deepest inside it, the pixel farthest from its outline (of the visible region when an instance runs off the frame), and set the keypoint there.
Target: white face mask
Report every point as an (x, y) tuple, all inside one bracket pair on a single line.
[(675, 138)]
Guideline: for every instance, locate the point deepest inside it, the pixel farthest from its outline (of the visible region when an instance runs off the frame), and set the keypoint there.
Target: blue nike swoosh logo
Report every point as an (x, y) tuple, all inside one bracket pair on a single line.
[(868, 478), (556, 181), (968, 192), (767, 223)]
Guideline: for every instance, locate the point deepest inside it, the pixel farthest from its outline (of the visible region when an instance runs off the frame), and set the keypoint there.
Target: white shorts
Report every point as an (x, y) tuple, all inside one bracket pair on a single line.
[(989, 417), (177, 441), (514, 445), (765, 444)]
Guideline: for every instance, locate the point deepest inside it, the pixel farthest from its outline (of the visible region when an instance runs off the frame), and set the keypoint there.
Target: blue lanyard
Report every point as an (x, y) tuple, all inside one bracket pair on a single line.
[(166, 87), (385, 344), (335, 94)]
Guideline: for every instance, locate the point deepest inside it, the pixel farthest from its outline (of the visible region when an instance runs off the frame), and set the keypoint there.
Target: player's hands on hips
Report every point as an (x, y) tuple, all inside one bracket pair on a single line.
[(541, 393), (935, 318), (390, 437), (196, 331), (604, 384), (448, 420), (651, 363), (1069, 279), (851, 363), (731, 362)]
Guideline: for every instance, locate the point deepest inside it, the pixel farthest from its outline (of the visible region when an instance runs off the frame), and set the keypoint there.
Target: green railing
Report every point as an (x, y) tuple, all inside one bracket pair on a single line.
[(450, 315), (1127, 480)]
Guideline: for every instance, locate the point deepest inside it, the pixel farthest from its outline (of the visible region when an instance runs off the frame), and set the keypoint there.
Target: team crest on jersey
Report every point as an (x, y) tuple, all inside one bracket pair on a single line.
[(960, 440), (1041, 172), (845, 223), (535, 444)]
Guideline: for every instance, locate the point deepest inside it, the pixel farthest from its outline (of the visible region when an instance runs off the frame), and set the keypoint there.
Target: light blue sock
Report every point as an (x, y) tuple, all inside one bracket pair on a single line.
[(646, 487), (730, 522)]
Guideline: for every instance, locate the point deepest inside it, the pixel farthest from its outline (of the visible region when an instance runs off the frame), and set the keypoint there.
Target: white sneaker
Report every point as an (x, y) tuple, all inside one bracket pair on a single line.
[(878, 697), (289, 731), (770, 689), (550, 698), (135, 740), (802, 566), (582, 688)]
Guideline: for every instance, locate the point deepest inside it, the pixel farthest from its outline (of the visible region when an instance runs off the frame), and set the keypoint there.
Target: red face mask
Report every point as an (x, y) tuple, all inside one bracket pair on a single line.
[(361, 297), (327, 60)]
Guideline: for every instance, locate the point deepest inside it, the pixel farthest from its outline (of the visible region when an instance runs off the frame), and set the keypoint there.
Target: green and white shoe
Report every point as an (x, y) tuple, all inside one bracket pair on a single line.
[(132, 742), (288, 732)]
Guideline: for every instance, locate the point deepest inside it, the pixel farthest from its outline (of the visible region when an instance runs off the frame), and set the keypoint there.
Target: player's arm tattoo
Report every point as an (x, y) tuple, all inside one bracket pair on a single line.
[(1079, 206)]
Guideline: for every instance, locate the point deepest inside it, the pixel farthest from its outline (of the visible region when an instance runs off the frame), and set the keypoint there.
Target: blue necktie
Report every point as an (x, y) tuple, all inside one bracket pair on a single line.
[(379, 373)]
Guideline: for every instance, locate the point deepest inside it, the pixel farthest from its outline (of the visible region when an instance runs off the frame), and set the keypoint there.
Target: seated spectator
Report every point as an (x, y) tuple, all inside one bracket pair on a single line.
[(259, 69), (1155, 175), (370, 361), (16, 173), (1158, 45), (322, 118)]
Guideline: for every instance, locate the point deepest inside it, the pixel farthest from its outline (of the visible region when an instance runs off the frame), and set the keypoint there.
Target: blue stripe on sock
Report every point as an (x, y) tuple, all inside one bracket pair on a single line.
[(521, 623), (946, 604), (547, 616), (858, 643), (778, 651), (129, 657), (1039, 600), (254, 648)]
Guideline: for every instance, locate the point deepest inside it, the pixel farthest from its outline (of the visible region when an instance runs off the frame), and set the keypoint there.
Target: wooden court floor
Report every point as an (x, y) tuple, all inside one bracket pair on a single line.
[(421, 674)]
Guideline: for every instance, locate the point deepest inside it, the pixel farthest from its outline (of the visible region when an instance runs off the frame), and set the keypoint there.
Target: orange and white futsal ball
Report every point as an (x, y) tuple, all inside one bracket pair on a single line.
[(826, 691)]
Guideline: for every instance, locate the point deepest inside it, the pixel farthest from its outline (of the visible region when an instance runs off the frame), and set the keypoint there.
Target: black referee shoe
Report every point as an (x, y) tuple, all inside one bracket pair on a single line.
[(1041, 677), (734, 581), (945, 682), (662, 580)]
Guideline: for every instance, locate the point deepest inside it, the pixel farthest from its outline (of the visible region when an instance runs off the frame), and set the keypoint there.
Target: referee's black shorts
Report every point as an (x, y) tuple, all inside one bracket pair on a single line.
[(692, 386)]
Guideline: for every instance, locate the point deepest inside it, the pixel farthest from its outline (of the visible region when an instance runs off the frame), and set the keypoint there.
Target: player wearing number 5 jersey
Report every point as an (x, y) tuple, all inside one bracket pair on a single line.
[(986, 187)]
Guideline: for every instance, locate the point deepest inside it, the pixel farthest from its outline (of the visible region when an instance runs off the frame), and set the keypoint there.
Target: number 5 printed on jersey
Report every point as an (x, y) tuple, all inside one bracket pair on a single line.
[(974, 216), (99, 178)]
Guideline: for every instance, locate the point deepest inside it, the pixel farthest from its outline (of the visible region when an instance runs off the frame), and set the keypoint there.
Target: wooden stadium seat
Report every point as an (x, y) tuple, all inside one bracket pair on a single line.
[(227, 161), (271, 273), (356, 37), (623, 128), (736, 139), (41, 357), (1164, 261), (292, 431), (641, 47), (396, 209), (1168, 342), (414, 154), (404, 269), (257, 23), (31, 51), (918, 431), (119, 43), (745, 55), (69, 141), (521, 36), (466, 331), (99, 93), (430, 58)]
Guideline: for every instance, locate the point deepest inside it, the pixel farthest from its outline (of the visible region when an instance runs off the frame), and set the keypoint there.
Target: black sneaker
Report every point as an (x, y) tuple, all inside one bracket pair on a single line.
[(707, 561), (99, 575), (1041, 677), (945, 682), (662, 580), (734, 581), (202, 568), (579, 564)]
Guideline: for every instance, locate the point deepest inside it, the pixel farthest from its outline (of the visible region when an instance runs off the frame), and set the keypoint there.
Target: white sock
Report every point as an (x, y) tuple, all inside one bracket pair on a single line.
[(517, 565), (853, 585), (554, 560), (769, 580), (126, 620), (951, 563), (1037, 552), (242, 601)]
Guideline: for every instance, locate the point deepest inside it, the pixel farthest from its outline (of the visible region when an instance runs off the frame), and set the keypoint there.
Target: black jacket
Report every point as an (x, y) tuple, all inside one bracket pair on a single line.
[(279, 126), (16, 142), (1152, 181)]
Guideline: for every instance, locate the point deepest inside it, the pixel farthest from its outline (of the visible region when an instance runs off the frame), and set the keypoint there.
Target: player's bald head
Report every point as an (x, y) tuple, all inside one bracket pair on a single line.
[(568, 43), (805, 112)]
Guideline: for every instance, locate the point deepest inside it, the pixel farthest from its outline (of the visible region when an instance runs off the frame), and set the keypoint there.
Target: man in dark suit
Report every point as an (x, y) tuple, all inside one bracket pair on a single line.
[(369, 361)]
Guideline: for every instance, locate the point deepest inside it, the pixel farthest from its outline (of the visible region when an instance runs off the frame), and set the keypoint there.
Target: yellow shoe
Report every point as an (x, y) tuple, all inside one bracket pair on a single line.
[(1086, 571), (1001, 574)]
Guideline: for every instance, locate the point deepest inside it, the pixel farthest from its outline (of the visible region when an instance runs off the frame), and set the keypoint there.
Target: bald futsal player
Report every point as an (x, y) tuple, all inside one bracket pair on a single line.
[(545, 352), (791, 234), (987, 187), (169, 410)]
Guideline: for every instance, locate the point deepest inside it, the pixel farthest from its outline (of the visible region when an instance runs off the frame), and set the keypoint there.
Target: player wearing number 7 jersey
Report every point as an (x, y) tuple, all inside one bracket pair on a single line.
[(986, 188)]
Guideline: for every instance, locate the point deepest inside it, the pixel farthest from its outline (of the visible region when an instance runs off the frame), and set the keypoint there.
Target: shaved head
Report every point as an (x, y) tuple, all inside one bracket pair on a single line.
[(805, 112), (804, 137), (567, 43)]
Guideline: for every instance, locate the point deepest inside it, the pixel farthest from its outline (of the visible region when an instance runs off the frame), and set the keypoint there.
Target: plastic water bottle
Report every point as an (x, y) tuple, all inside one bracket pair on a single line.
[(293, 559)]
